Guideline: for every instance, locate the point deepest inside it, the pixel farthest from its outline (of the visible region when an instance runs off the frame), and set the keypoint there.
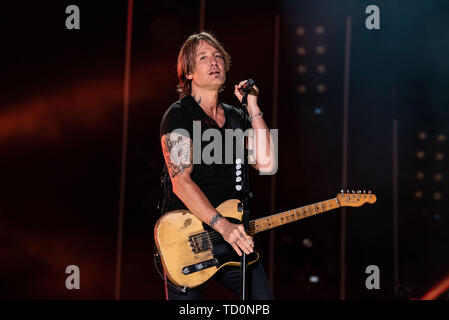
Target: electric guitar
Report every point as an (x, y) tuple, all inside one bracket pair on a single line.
[(192, 252)]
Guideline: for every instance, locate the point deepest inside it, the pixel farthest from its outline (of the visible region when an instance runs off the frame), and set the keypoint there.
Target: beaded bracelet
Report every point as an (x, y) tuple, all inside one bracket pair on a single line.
[(260, 114)]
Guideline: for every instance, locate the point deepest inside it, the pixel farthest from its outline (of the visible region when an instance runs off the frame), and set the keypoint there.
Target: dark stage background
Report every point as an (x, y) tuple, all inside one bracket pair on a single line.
[(61, 129)]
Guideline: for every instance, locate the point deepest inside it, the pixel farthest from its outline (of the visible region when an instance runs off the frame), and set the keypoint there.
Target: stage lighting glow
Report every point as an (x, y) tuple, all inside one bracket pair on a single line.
[(420, 175), (302, 88), (439, 157), (439, 177), (418, 194), (437, 196), (314, 279), (321, 88), (318, 111), (302, 69), (320, 30), (307, 243), (422, 135), (321, 68), (300, 31), (438, 290), (441, 137), (301, 51), (320, 49), (420, 154)]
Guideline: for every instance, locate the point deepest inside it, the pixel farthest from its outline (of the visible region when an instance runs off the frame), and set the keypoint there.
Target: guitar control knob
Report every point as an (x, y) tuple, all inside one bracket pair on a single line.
[(185, 270)]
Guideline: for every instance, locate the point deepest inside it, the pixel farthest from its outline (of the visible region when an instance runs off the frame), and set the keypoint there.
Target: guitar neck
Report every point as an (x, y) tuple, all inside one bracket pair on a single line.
[(279, 219)]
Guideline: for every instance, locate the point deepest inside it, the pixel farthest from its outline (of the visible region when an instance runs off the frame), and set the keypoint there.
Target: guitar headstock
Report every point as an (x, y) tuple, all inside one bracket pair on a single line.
[(355, 198)]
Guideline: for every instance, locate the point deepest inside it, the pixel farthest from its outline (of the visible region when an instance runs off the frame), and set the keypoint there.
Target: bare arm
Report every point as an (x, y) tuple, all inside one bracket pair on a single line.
[(178, 155), (261, 142)]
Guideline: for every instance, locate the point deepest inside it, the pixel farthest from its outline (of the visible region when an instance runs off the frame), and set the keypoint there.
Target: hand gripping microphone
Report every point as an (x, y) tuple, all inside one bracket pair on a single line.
[(246, 89), (247, 86)]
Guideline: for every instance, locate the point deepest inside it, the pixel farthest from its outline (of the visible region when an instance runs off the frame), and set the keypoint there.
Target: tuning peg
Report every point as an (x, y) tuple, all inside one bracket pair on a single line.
[(353, 191), (347, 190), (342, 191), (369, 191), (359, 192), (364, 191)]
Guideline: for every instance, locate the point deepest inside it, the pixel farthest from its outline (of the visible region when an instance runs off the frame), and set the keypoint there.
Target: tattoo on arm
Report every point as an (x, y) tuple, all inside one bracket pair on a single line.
[(214, 219), (178, 153)]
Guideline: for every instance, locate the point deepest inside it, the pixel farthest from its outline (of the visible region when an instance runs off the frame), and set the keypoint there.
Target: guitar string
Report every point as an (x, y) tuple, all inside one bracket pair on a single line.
[(273, 221), (214, 235), (263, 224), (270, 221)]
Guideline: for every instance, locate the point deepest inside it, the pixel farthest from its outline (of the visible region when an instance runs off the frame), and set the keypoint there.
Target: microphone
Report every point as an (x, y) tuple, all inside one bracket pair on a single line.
[(247, 86)]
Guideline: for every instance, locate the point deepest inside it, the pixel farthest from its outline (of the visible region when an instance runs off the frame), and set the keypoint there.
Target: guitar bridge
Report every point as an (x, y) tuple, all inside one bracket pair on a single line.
[(200, 242), (199, 266)]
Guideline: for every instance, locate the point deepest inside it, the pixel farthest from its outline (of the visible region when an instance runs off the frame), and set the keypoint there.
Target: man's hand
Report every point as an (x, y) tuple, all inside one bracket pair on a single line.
[(236, 236), (252, 96)]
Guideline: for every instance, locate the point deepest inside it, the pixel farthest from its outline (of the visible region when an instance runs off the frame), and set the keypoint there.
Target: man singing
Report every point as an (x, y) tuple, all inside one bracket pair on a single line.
[(201, 187)]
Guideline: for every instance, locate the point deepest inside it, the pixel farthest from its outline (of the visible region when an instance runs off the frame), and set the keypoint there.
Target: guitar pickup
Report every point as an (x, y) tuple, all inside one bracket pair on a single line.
[(199, 266), (200, 242)]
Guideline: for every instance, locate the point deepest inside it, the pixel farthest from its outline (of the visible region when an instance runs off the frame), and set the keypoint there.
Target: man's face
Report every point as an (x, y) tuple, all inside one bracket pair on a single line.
[(209, 68)]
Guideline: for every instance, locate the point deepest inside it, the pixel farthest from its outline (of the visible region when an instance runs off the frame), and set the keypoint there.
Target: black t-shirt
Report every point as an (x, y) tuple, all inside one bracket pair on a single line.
[(216, 180)]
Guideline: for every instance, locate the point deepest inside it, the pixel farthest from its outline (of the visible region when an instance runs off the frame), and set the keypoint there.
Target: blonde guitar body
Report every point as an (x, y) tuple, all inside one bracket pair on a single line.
[(191, 252)]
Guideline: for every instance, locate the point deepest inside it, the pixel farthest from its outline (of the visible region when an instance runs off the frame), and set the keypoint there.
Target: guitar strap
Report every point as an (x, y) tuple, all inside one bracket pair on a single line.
[(165, 183)]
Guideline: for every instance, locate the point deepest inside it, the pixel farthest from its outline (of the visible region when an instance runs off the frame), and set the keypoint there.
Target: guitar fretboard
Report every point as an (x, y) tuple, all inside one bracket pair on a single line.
[(279, 219)]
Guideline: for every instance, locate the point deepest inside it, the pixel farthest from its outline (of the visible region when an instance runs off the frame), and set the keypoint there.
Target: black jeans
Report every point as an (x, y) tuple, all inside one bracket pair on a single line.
[(258, 286)]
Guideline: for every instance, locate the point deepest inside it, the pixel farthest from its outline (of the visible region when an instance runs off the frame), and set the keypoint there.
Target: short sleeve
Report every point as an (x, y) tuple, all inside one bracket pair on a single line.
[(176, 118)]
